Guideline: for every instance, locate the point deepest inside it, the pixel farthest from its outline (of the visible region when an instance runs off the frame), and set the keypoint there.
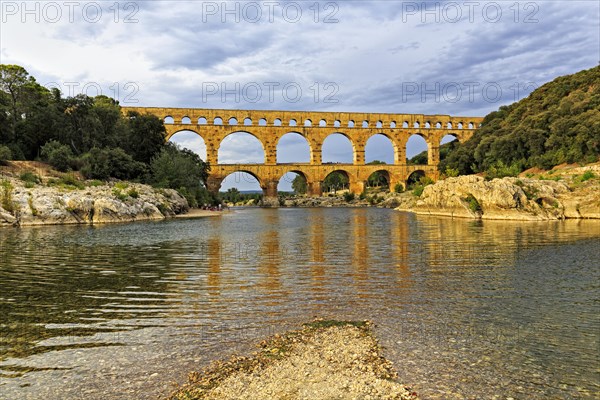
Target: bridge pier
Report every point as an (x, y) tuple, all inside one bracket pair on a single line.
[(212, 152), (316, 157), (357, 187), (270, 198), (394, 181), (213, 185), (314, 189), (270, 156), (359, 157), (434, 154)]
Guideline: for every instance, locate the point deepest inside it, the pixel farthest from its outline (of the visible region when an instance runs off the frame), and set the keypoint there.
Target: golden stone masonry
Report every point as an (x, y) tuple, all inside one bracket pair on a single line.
[(213, 125)]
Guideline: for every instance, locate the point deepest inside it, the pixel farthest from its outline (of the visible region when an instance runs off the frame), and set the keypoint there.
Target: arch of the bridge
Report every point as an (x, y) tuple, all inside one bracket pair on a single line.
[(268, 176), (295, 132), (269, 137), (222, 117)]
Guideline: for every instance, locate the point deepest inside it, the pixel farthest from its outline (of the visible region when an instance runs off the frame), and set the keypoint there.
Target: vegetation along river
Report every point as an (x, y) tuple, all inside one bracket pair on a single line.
[(465, 309)]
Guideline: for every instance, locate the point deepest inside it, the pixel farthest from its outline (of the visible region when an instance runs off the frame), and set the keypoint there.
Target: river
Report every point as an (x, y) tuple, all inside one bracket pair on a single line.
[(464, 309)]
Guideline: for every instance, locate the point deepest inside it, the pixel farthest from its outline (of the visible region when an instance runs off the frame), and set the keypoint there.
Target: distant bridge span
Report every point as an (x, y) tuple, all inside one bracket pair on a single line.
[(213, 125)]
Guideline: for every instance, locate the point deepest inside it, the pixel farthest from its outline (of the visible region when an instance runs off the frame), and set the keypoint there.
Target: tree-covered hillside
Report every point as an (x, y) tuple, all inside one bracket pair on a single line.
[(91, 135), (557, 123)]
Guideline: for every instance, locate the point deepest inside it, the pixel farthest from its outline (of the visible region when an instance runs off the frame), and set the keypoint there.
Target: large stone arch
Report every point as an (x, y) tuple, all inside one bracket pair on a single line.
[(461, 136), (294, 134), (313, 179), (192, 140), (428, 144), (415, 175), (243, 131), (357, 183), (297, 172), (344, 134), (455, 135), (174, 130), (391, 138), (383, 173), (215, 181), (331, 171)]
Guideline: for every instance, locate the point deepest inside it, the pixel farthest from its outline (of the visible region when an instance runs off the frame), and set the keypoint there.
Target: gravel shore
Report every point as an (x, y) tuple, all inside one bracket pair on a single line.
[(324, 360)]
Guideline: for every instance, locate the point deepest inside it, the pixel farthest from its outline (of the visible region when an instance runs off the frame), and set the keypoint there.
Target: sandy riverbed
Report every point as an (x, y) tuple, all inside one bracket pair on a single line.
[(199, 213), (324, 360)]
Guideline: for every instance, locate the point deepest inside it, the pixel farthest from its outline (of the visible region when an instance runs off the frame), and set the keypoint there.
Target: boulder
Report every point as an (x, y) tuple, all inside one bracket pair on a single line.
[(472, 196), (41, 205)]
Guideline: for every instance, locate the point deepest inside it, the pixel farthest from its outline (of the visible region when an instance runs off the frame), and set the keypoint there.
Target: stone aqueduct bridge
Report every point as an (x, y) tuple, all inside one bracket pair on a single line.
[(213, 125)]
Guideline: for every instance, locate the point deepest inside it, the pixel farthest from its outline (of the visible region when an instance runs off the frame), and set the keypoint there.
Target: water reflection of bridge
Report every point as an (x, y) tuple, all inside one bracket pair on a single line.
[(276, 257)]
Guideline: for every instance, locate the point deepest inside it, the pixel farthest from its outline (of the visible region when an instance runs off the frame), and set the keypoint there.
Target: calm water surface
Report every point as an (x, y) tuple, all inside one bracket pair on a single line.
[(464, 309)]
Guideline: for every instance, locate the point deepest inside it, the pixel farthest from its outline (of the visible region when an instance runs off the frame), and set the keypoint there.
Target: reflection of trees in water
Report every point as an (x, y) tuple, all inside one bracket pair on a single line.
[(49, 285)]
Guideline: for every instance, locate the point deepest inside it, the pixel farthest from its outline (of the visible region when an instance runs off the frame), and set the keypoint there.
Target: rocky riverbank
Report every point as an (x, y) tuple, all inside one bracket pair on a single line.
[(565, 192), (48, 197), (549, 195), (35, 200), (377, 199), (324, 360)]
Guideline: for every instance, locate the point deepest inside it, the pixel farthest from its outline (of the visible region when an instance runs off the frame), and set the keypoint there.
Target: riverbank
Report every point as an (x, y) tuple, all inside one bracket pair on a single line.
[(33, 194), (200, 213), (566, 192), (323, 360)]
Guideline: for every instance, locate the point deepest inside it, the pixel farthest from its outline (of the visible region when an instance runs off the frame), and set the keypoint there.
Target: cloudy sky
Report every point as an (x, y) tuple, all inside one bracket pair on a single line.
[(457, 58)]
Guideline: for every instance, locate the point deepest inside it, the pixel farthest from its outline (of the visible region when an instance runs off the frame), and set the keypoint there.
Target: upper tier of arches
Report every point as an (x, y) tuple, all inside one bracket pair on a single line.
[(308, 119)]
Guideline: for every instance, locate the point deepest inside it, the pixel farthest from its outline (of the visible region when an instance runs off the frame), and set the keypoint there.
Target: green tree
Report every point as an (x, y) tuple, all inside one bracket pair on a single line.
[(299, 184), (6, 122), (146, 136), (420, 159), (180, 169), (111, 127), (14, 82), (40, 123), (111, 163), (83, 129), (5, 154), (335, 181), (58, 155), (27, 114), (232, 195), (96, 164)]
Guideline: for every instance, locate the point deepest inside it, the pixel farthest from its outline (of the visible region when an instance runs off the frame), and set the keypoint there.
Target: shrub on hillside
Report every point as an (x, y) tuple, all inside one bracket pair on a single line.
[(57, 154), (182, 170), (5, 154), (30, 177), (111, 163), (500, 170)]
